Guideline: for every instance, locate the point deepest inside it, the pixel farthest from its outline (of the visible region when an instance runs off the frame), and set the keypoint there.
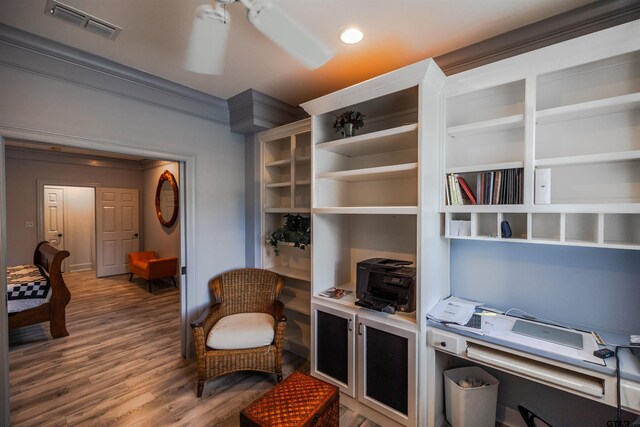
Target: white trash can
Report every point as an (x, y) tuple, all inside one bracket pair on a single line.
[(474, 406)]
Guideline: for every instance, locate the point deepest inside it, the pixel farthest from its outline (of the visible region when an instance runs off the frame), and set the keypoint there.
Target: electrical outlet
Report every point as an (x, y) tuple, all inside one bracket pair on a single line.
[(28, 224)]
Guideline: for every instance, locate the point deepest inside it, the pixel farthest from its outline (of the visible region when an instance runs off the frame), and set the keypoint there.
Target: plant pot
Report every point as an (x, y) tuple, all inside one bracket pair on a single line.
[(348, 130)]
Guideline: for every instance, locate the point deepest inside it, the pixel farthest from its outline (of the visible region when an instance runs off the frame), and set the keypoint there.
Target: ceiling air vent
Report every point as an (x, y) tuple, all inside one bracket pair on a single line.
[(81, 19)]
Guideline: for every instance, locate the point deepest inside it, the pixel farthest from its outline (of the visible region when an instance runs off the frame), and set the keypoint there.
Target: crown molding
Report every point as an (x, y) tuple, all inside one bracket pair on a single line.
[(252, 111), (35, 54), (589, 18)]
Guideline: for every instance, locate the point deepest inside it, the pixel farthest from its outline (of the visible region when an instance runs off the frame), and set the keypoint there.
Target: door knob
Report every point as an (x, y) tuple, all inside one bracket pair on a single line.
[(59, 234), (135, 235)]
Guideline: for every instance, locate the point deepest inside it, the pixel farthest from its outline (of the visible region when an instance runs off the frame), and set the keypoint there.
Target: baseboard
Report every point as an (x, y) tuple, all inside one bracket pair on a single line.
[(81, 267)]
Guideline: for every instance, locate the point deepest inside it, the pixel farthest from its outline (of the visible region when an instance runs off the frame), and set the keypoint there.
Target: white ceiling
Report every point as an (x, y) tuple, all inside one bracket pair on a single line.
[(397, 33)]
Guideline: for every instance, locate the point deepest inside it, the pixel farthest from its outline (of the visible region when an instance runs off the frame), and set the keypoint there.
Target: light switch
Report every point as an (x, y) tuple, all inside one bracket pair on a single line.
[(28, 224)]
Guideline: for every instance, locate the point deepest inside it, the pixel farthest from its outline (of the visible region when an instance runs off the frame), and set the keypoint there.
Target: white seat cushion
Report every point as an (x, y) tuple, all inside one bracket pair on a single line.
[(243, 330)]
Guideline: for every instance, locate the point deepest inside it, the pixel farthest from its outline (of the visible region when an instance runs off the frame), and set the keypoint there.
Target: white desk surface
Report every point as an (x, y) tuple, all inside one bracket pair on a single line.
[(630, 365)]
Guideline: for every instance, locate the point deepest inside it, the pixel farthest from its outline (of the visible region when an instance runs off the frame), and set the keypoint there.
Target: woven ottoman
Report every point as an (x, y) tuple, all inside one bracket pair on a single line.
[(299, 400)]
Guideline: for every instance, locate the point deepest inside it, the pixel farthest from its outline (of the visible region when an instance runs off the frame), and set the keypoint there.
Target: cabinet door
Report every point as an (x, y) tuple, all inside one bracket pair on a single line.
[(333, 347), (387, 369)]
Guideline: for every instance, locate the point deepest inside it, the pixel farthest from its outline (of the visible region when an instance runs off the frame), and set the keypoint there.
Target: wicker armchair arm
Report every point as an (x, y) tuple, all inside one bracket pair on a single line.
[(208, 317), (277, 310)]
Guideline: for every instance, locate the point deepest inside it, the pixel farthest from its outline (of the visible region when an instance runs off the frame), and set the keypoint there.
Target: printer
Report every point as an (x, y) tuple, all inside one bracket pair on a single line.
[(386, 285)]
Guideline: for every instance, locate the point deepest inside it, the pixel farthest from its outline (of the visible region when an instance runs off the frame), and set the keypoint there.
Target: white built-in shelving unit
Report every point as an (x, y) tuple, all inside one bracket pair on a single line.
[(373, 197), (578, 117), (286, 189)]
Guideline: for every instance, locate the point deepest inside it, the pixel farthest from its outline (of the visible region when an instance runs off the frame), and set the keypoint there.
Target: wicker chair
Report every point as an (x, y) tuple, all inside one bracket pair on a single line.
[(241, 291)]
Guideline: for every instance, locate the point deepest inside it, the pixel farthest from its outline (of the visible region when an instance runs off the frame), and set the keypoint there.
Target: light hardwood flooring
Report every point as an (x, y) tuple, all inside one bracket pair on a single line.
[(121, 365)]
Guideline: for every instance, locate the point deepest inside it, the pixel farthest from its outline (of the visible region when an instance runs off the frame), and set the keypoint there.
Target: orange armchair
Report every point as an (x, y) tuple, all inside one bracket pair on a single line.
[(148, 266)]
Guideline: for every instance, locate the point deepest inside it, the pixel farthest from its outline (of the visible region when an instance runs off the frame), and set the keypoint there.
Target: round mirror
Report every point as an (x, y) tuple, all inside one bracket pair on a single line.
[(167, 199)]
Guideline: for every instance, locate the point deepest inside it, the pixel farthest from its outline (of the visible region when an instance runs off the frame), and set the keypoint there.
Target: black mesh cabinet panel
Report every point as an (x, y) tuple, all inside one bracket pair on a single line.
[(332, 346), (387, 366)]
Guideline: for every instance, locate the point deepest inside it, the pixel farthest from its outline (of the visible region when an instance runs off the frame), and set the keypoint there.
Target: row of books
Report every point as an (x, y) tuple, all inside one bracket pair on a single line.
[(499, 187)]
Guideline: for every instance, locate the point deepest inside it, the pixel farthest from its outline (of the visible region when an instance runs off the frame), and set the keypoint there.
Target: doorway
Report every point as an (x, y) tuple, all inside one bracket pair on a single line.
[(69, 224)]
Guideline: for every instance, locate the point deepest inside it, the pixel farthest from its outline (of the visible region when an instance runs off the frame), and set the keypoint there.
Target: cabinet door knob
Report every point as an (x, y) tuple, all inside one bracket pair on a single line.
[(443, 344)]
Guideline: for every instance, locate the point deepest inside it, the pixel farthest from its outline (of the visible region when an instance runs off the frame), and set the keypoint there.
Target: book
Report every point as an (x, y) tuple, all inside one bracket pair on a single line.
[(452, 189), (497, 187), (459, 193), (467, 190)]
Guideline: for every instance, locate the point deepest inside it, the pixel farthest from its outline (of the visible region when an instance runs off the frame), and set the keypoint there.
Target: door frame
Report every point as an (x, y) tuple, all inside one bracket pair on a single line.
[(187, 215)]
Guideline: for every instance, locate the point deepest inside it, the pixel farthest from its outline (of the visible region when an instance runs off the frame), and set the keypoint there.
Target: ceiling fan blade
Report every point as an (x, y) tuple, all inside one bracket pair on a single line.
[(208, 42), (289, 34)]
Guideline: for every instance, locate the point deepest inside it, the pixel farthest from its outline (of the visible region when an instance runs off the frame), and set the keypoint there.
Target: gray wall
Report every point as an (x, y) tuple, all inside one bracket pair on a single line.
[(593, 287), (51, 99), (164, 241), (25, 168)]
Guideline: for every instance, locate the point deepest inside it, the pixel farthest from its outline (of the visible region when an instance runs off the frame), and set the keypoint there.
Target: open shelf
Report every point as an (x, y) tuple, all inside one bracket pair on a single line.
[(294, 273), (287, 210), (485, 167), (395, 139), (502, 123), (278, 163), (584, 110), (278, 184), (589, 159), (387, 210), (407, 170)]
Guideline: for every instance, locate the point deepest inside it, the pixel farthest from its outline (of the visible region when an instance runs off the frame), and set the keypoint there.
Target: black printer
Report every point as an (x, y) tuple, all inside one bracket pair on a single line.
[(386, 285)]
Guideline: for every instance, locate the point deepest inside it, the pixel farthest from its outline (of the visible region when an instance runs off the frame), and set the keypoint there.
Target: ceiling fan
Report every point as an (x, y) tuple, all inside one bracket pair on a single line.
[(210, 32)]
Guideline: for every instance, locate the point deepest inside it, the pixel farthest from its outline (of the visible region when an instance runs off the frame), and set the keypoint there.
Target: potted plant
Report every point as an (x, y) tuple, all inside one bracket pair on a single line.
[(296, 229), (348, 122)]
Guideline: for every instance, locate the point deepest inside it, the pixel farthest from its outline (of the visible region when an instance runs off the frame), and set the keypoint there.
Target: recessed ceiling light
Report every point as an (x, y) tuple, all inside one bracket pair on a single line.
[(351, 36)]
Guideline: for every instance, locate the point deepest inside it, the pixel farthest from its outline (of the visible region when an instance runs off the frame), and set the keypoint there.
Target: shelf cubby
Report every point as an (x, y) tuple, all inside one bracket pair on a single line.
[(608, 182), (484, 225), (596, 139), (382, 113), (581, 228), (277, 197), (501, 102), (345, 239), (517, 223), (604, 81), (336, 193), (459, 230), (545, 226), (277, 151), (621, 230)]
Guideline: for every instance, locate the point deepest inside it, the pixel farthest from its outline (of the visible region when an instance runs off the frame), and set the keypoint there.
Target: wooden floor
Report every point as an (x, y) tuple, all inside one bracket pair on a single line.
[(121, 365)]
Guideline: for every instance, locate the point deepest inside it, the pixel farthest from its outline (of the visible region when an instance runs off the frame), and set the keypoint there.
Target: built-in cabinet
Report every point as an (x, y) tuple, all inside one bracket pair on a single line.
[(560, 124), (285, 189), (374, 196), (368, 358), (572, 126)]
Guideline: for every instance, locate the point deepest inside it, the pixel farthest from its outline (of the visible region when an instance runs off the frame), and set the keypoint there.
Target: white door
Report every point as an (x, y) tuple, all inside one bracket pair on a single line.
[(54, 216), (117, 223)]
